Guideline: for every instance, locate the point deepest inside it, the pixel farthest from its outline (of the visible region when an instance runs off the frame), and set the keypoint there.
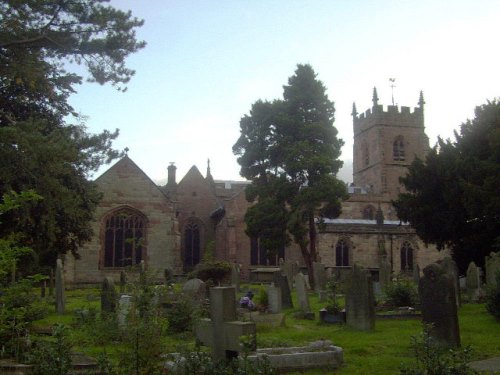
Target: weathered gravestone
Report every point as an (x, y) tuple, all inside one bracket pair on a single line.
[(124, 306), (196, 289), (108, 295), (473, 281), (60, 303), (320, 278), (223, 332), (290, 269), (123, 281), (142, 273), (438, 304), (235, 276), (416, 274), (281, 282), (450, 267), (274, 299), (360, 300), (385, 273), (492, 268), (302, 297)]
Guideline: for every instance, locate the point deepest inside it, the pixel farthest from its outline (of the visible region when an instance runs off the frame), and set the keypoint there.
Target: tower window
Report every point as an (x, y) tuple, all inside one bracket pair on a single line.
[(191, 245), (406, 257), (342, 253), (124, 239), (398, 149)]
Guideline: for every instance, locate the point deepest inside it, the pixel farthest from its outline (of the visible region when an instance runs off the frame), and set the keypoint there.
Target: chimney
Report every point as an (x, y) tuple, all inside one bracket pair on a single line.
[(171, 174)]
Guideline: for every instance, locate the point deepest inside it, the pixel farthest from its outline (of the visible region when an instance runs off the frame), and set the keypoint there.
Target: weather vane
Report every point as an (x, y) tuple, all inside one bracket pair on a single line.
[(392, 80), (126, 149)]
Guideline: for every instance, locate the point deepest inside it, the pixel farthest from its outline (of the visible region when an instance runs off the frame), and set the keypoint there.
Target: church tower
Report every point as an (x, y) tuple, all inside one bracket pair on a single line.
[(385, 144)]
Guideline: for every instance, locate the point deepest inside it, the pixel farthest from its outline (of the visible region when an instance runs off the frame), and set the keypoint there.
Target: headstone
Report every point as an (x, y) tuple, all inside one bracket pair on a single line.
[(223, 332), (360, 300), (450, 267), (235, 276), (142, 272), (124, 305), (302, 297), (492, 267), (473, 281), (385, 273), (274, 299), (438, 304), (196, 289), (416, 274), (320, 278), (462, 282), (108, 296), (123, 281), (51, 283), (59, 287), (290, 269), (282, 282), (168, 276)]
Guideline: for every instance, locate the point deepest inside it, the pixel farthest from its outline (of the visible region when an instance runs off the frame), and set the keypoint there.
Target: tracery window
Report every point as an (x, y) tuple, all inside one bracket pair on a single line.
[(124, 236), (192, 244), (259, 256), (398, 149), (342, 253), (406, 256)]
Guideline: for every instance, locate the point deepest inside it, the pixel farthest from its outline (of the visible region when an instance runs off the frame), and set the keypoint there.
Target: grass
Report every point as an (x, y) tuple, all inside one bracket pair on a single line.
[(379, 352)]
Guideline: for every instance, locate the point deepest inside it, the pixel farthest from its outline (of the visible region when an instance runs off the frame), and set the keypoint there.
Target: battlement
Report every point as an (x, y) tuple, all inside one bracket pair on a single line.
[(391, 109)]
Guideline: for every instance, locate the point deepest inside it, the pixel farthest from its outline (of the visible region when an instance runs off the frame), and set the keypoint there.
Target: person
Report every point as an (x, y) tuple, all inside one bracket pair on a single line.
[(246, 301)]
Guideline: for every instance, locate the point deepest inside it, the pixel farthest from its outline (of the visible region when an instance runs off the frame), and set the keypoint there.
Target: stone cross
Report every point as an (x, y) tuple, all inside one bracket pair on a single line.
[(223, 332), (281, 281), (59, 287), (438, 304), (319, 276), (235, 276), (302, 296), (492, 267), (360, 300), (108, 296)]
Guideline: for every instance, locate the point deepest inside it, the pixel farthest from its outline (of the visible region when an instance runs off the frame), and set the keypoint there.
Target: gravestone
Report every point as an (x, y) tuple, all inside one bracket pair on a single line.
[(168, 276), (196, 289), (416, 274), (282, 282), (320, 278), (124, 305), (108, 295), (302, 297), (492, 267), (235, 276), (360, 300), (450, 267), (290, 269), (274, 299), (123, 281), (142, 273), (59, 287), (385, 273), (222, 332), (438, 304), (473, 281)]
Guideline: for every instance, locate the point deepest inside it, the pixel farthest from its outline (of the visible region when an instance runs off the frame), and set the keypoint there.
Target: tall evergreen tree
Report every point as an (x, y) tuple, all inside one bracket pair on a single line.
[(453, 198), (290, 151)]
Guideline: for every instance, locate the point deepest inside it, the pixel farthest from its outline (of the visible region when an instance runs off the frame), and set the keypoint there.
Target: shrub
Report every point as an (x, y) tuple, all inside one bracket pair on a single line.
[(262, 300), (52, 358), (493, 298), (401, 293), (215, 271)]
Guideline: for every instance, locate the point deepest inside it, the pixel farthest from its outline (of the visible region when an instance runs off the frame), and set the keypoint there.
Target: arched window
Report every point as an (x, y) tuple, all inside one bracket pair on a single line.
[(406, 257), (124, 237), (369, 212), (192, 244), (342, 253), (398, 149), (365, 154)]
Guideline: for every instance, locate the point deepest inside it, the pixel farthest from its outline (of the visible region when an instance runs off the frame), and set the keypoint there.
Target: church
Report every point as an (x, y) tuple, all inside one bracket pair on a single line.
[(172, 226)]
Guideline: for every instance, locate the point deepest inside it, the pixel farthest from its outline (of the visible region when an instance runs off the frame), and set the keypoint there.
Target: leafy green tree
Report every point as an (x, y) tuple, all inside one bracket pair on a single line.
[(290, 151), (41, 41), (452, 198)]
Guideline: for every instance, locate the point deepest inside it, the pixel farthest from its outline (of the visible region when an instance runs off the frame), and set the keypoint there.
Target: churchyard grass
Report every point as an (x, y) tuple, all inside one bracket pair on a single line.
[(378, 352)]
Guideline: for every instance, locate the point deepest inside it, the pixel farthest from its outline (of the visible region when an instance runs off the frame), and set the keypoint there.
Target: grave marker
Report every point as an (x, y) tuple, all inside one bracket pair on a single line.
[(385, 273), (492, 267), (108, 295), (282, 282), (123, 281), (235, 276), (302, 297), (274, 299), (450, 267), (320, 279), (360, 300), (59, 287)]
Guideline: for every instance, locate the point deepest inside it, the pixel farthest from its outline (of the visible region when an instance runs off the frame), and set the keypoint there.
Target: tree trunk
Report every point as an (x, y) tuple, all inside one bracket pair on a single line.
[(308, 261)]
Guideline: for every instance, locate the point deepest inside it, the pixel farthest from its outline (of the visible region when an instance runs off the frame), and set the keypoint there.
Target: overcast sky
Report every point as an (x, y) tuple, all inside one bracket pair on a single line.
[(207, 61)]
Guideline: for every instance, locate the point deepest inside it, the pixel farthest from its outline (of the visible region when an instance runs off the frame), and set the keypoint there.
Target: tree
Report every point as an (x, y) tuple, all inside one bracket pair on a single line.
[(290, 151), (452, 198), (40, 150)]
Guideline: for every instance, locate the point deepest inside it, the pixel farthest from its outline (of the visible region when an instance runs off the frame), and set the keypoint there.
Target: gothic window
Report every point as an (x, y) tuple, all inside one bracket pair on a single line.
[(365, 154), (259, 256), (342, 253), (369, 212), (406, 256), (192, 245), (398, 149), (124, 236)]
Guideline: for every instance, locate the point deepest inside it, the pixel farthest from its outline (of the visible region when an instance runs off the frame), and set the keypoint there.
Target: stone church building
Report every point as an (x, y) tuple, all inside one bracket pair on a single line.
[(171, 226)]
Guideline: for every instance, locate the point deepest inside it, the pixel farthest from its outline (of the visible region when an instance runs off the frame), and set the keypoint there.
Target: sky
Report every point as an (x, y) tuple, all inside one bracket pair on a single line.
[(207, 61)]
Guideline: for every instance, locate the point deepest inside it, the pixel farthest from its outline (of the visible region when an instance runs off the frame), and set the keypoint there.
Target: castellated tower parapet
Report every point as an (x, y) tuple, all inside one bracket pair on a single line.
[(386, 142)]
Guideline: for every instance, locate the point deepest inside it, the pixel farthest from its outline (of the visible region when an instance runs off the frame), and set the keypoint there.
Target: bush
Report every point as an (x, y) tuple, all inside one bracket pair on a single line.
[(52, 358), (493, 298), (215, 272), (262, 300), (401, 293)]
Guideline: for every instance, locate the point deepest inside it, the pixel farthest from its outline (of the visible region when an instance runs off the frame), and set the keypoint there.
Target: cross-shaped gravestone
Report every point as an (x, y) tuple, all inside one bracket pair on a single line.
[(223, 332)]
